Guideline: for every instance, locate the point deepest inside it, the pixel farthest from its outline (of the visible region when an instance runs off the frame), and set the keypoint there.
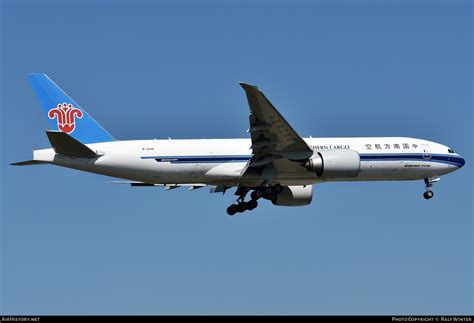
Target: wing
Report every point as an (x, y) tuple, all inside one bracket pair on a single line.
[(190, 187), (276, 146), (272, 136)]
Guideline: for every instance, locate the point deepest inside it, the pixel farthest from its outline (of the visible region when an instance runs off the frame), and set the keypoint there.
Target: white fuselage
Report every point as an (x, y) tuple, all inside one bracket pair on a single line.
[(221, 161)]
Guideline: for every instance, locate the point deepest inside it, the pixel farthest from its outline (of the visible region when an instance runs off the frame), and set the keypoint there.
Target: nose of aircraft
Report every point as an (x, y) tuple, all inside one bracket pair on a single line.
[(460, 161)]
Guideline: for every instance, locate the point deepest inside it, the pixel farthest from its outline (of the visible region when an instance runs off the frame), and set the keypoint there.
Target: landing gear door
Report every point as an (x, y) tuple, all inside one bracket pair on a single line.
[(426, 151)]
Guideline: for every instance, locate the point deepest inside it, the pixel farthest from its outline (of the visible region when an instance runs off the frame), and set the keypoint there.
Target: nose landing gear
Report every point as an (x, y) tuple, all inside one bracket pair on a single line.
[(428, 194)]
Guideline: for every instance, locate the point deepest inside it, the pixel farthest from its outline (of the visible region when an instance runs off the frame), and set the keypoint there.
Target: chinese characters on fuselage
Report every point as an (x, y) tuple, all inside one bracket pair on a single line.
[(390, 146), (369, 146)]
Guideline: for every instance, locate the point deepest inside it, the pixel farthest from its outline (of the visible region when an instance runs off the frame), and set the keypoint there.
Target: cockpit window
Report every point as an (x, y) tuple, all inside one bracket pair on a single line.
[(450, 151)]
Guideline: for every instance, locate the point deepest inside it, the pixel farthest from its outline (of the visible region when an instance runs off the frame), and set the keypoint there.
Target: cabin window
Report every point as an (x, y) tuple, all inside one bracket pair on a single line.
[(450, 151)]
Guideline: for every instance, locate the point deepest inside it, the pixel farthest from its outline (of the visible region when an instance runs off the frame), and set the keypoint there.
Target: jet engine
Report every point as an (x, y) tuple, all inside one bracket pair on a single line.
[(294, 196), (335, 163)]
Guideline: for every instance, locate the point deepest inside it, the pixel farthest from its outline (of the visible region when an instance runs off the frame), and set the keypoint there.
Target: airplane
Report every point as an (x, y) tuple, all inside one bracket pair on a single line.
[(275, 164)]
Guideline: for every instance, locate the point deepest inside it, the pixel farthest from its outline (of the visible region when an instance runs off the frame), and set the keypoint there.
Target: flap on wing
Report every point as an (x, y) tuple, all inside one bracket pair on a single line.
[(190, 187)]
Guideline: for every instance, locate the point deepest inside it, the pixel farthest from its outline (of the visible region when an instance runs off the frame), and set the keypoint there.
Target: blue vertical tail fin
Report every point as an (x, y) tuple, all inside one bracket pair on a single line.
[(65, 114)]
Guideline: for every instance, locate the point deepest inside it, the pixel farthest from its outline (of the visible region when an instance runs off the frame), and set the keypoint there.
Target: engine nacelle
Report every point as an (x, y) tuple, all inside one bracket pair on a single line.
[(294, 196), (344, 163)]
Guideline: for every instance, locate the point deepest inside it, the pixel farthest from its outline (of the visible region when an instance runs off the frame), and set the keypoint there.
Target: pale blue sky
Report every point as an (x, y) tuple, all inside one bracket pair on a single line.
[(73, 244)]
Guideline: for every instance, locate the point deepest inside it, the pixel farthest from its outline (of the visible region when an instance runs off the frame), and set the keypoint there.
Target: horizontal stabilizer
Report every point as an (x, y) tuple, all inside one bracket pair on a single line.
[(29, 162), (66, 145)]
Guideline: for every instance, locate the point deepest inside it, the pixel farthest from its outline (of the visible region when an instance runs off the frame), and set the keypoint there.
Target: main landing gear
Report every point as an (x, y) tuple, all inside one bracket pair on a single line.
[(242, 206), (266, 192), (428, 194)]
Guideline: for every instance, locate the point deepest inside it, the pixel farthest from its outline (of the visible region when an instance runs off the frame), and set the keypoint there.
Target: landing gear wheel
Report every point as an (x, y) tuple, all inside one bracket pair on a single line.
[(231, 210), (268, 190), (278, 188), (252, 204), (256, 194), (428, 195), (242, 207)]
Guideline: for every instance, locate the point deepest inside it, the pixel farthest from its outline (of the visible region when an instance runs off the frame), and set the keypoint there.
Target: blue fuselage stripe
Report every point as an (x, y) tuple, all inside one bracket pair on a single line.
[(200, 159), (443, 159), (438, 158)]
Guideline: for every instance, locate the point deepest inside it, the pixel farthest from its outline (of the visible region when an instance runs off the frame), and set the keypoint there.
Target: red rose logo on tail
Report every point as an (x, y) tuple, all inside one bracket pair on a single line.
[(66, 115)]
